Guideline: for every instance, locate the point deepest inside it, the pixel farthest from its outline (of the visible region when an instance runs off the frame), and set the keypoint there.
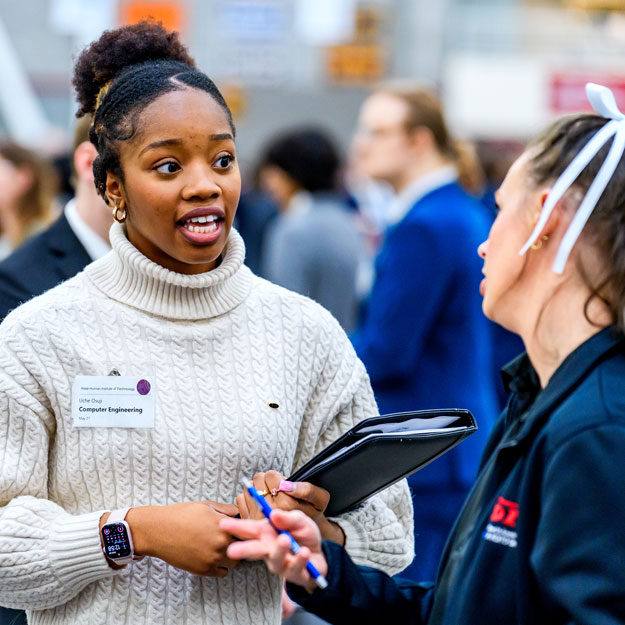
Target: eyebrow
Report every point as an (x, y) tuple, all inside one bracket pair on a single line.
[(159, 144), (222, 137)]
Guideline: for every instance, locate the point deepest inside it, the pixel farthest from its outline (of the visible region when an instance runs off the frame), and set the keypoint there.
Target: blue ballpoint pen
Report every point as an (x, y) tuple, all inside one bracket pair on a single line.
[(266, 509)]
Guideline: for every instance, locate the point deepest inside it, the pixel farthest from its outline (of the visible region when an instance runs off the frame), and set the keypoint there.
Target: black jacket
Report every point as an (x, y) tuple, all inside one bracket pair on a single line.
[(541, 537), (39, 264)]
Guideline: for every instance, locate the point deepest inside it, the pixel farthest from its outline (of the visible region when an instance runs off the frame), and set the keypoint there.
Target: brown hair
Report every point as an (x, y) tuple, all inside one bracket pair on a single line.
[(605, 230), (81, 134), (36, 203), (425, 111)]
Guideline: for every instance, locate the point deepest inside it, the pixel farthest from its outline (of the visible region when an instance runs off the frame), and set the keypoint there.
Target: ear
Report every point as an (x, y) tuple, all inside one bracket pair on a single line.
[(422, 139), (25, 178), (554, 218), (114, 190), (84, 155)]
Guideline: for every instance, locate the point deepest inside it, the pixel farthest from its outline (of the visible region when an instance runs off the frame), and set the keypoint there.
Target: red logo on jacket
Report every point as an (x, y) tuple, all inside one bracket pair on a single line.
[(505, 512)]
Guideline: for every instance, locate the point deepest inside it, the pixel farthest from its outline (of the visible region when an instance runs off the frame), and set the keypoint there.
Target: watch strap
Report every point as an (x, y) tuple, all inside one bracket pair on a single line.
[(118, 515)]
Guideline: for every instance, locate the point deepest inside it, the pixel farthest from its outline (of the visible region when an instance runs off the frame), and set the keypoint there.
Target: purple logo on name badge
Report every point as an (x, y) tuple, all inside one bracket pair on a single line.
[(143, 387)]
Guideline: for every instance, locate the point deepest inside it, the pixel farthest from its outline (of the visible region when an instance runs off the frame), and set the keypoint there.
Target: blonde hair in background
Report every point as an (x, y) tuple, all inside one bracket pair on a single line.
[(35, 205), (425, 111)]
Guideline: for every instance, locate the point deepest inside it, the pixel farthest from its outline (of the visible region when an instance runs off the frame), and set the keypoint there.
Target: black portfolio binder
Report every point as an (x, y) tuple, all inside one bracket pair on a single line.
[(382, 450)]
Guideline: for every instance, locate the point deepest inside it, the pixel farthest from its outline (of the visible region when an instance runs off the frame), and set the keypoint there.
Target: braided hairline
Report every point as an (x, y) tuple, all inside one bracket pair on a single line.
[(107, 130)]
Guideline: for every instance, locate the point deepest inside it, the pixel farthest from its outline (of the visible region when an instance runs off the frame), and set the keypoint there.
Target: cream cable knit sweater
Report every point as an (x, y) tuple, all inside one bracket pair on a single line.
[(221, 346)]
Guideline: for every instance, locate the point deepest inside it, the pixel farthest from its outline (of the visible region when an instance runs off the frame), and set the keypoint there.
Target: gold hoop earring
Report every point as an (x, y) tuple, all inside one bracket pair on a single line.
[(119, 219), (539, 244)]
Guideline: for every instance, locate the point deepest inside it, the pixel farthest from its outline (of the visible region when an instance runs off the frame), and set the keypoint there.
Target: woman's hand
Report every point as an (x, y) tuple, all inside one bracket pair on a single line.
[(311, 500), (288, 607), (185, 535), (259, 541)]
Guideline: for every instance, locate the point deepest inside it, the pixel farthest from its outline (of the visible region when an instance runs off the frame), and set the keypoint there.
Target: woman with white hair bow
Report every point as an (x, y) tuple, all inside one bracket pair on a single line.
[(540, 537)]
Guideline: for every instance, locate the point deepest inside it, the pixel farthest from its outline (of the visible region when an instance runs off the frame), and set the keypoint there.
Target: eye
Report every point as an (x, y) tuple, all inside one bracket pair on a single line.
[(170, 167), (224, 161), (497, 207)]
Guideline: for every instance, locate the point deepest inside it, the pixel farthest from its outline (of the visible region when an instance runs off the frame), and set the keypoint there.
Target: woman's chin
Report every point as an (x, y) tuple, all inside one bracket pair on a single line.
[(201, 253), (488, 309)]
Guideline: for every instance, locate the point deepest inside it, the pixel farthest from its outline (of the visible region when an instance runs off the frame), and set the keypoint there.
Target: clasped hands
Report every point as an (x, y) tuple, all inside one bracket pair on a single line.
[(190, 535), (283, 495)]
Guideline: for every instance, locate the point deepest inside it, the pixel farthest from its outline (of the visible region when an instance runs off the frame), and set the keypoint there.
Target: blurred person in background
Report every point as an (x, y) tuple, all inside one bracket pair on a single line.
[(79, 236), (28, 186), (313, 247), (423, 337), (255, 214)]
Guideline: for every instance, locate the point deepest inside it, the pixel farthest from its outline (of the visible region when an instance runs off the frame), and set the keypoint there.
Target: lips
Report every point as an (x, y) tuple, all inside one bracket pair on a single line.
[(202, 226)]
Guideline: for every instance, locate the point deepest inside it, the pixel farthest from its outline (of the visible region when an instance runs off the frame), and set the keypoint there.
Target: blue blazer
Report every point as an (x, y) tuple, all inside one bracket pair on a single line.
[(424, 339)]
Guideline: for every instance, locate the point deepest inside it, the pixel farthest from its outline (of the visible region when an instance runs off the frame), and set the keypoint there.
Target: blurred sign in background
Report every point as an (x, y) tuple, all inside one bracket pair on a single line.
[(504, 67)]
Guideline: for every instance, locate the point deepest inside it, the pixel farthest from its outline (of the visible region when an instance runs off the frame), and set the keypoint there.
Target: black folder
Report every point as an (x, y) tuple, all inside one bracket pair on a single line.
[(381, 451)]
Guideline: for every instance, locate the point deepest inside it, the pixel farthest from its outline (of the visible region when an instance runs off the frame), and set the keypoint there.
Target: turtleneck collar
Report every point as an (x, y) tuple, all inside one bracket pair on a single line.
[(127, 276)]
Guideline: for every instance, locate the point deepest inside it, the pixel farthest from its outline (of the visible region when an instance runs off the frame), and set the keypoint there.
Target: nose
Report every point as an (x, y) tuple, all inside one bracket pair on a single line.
[(482, 249), (201, 182)]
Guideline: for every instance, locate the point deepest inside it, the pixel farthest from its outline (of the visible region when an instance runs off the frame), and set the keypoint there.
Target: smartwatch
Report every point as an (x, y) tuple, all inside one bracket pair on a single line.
[(117, 538)]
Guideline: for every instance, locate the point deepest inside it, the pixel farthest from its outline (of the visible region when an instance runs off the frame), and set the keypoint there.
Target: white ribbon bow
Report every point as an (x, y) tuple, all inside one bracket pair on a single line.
[(602, 101)]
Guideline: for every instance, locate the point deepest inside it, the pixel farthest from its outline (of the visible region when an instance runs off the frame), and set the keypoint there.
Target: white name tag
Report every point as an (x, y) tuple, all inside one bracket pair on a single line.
[(106, 401)]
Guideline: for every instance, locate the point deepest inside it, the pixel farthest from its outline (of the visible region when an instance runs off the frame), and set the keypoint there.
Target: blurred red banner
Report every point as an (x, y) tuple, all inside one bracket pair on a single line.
[(568, 91)]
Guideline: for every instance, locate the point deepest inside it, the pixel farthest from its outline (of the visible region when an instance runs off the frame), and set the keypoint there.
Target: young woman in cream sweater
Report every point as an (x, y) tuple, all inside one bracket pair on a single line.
[(245, 376)]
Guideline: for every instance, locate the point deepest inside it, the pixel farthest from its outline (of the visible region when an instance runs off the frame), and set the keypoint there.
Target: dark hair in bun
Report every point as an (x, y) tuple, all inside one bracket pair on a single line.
[(120, 74)]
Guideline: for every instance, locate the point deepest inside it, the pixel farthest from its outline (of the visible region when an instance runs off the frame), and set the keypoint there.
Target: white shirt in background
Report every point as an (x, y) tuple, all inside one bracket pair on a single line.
[(409, 196), (94, 244)]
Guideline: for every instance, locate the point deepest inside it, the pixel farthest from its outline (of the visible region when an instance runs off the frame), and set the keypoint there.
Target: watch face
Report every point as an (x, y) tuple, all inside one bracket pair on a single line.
[(115, 539)]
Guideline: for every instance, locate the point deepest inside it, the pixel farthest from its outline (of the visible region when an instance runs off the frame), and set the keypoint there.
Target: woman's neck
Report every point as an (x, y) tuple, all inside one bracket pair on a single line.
[(560, 326)]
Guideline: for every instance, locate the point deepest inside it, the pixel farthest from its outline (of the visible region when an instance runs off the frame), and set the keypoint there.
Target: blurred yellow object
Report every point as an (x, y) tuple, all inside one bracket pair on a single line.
[(596, 5), (356, 63), (363, 60), (235, 98)]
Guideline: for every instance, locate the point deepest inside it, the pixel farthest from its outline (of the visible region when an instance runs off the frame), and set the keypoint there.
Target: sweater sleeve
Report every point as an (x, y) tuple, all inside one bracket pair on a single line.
[(47, 556), (379, 533)]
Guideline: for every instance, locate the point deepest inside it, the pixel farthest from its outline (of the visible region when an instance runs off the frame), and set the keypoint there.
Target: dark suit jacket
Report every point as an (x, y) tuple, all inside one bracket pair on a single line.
[(39, 264)]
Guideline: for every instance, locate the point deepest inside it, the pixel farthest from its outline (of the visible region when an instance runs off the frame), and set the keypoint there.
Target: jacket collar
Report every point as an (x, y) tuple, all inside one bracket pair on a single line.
[(66, 251), (521, 378), (403, 202)]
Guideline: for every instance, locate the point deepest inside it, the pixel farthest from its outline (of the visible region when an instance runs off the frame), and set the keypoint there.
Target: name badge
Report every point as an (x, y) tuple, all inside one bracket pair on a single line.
[(113, 402)]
